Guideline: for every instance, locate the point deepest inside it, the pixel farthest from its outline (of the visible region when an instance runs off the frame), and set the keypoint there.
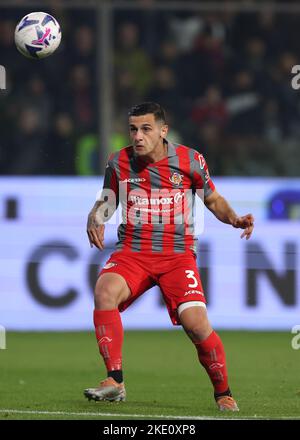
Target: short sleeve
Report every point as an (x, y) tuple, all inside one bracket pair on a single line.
[(110, 185), (110, 178)]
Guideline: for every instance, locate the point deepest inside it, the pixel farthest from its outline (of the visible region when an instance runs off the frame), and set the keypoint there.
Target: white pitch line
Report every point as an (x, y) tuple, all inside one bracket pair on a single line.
[(100, 414), (148, 416)]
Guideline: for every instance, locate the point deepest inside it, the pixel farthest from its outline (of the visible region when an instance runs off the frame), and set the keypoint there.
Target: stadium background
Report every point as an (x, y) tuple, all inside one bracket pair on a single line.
[(223, 72)]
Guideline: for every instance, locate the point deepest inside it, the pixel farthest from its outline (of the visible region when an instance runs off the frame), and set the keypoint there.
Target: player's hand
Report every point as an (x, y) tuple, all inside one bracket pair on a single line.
[(245, 222), (95, 233)]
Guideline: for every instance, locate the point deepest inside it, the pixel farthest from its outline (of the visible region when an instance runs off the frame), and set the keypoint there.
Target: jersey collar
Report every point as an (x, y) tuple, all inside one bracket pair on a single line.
[(171, 149)]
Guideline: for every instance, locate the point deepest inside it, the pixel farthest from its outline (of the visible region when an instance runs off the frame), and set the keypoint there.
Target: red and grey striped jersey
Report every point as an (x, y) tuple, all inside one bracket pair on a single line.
[(157, 198)]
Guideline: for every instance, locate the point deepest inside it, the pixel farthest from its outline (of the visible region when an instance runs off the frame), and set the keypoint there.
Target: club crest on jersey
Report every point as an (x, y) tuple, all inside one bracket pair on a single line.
[(176, 178)]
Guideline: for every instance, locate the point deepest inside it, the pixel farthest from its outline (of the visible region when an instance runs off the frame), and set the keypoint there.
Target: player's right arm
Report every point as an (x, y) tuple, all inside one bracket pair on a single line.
[(103, 208)]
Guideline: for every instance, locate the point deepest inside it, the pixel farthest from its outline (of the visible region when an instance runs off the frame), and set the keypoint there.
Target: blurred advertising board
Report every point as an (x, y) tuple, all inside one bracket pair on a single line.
[(48, 270)]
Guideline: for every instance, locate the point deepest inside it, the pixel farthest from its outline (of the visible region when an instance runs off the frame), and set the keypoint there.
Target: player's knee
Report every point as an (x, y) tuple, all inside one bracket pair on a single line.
[(106, 297), (194, 320), (198, 332), (109, 293)]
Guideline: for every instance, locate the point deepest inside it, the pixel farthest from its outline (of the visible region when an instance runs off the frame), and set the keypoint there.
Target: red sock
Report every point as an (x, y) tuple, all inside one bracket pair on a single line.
[(109, 334), (211, 355)]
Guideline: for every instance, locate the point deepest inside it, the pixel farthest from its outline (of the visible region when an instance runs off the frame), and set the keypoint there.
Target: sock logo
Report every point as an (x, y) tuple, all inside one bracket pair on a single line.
[(216, 366), (104, 339)]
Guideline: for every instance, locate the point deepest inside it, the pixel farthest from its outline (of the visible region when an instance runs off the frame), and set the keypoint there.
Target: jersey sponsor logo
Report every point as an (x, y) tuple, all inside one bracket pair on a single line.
[(193, 292), (109, 265), (168, 200), (178, 197), (134, 180), (176, 178), (168, 204)]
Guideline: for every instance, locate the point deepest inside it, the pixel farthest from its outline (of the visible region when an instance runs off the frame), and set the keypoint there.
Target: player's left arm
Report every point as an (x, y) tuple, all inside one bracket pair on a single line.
[(219, 206)]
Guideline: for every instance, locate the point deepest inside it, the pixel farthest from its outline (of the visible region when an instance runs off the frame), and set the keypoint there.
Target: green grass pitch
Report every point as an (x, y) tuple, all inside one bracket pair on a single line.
[(43, 376)]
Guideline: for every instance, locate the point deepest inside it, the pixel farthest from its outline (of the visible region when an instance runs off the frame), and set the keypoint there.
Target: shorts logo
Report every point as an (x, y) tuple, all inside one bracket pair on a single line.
[(193, 292), (176, 178), (109, 265)]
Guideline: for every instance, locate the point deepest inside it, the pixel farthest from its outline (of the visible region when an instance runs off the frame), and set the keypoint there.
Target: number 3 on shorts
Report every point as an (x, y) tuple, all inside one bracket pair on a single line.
[(191, 274)]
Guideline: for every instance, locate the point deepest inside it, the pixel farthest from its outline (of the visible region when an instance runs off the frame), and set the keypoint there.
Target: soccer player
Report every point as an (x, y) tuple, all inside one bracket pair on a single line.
[(155, 182)]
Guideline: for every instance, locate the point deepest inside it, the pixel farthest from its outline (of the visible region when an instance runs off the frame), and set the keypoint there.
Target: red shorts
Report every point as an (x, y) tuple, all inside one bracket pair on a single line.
[(176, 275)]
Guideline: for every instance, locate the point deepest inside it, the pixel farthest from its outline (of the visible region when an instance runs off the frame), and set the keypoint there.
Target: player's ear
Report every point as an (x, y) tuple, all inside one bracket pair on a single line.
[(164, 131)]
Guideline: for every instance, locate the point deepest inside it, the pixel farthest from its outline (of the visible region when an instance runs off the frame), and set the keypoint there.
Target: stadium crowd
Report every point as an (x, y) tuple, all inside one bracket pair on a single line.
[(224, 79)]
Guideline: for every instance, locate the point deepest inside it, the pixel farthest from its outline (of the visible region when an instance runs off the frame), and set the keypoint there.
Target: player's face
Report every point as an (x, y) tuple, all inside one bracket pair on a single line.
[(147, 134)]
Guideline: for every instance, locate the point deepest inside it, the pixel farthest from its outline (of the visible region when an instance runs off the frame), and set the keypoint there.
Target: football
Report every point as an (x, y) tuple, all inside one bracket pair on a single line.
[(37, 35)]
